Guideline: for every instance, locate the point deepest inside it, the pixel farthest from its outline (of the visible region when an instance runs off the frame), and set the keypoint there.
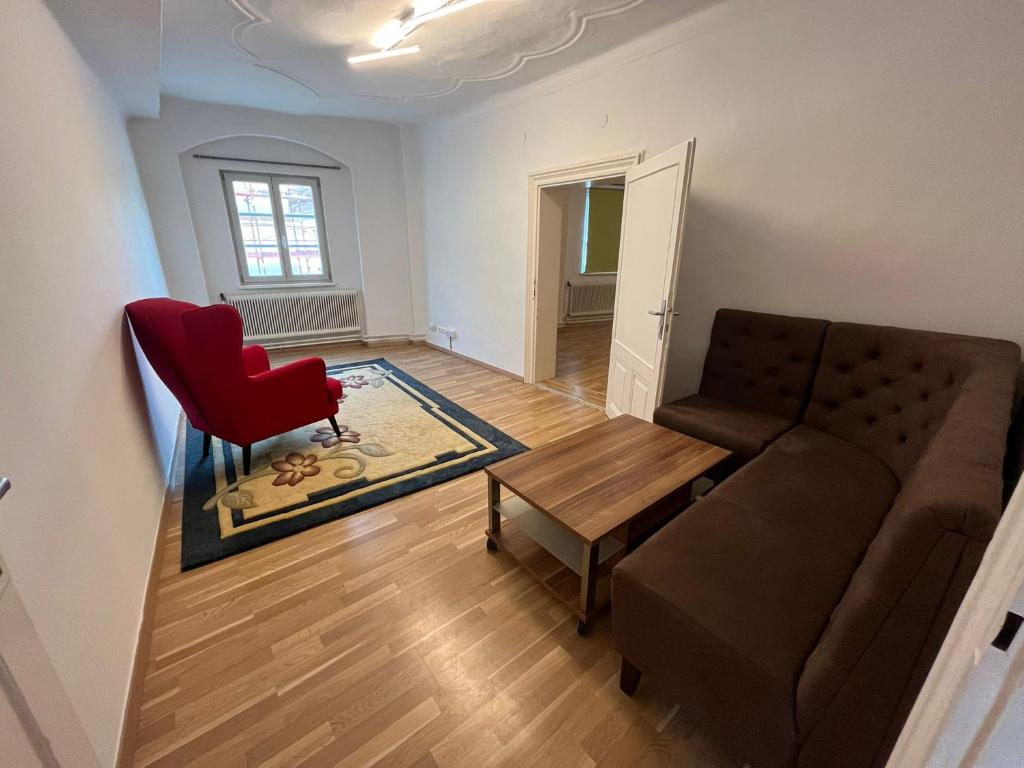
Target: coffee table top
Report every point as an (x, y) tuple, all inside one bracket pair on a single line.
[(600, 478)]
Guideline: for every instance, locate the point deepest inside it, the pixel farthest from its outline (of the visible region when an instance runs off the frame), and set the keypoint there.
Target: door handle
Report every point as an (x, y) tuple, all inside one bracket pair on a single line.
[(663, 314)]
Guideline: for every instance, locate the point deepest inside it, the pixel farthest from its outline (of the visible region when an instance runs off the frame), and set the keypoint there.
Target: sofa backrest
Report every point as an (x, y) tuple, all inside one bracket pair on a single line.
[(890, 390), (762, 362), (936, 409)]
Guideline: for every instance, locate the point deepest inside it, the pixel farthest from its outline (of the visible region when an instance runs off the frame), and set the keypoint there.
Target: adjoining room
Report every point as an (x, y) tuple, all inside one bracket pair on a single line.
[(460, 383), (588, 255)]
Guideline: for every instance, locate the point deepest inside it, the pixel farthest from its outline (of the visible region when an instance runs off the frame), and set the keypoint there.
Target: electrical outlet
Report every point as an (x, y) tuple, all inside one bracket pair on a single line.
[(432, 327), (451, 334)]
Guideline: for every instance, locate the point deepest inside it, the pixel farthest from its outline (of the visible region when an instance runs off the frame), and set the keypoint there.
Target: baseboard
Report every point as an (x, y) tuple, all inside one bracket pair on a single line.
[(473, 360), (133, 705), (589, 319), (343, 341), (389, 341)]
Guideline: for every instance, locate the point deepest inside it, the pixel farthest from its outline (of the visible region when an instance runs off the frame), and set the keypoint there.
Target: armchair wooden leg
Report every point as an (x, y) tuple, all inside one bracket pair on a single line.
[(629, 677), (207, 440), (246, 459), (334, 423)]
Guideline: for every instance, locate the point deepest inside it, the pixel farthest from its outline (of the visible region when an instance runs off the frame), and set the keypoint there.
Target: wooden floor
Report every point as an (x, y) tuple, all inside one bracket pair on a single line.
[(581, 365), (392, 637)]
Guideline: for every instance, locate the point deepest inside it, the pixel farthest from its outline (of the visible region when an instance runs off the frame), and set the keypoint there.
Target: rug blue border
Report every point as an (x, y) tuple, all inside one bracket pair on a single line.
[(201, 543)]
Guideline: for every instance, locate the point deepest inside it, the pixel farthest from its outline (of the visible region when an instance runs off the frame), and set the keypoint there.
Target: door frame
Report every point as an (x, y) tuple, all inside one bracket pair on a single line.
[(981, 614), (577, 173)]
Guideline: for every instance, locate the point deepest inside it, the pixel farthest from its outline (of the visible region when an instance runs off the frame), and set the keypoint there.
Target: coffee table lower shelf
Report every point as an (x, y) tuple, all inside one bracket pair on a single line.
[(552, 563)]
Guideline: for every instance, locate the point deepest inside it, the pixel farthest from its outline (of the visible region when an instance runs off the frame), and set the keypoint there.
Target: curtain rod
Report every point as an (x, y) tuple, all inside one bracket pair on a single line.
[(267, 162)]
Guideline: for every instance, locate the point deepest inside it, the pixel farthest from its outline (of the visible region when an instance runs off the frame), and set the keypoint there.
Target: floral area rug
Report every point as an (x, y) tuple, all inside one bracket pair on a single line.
[(398, 436)]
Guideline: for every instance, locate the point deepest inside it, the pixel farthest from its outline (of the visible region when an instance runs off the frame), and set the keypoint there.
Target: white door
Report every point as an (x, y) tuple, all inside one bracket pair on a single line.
[(654, 212)]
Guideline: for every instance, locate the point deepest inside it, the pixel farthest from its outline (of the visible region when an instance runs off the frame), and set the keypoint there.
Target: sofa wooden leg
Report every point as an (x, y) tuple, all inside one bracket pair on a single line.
[(334, 423), (207, 440), (629, 677), (246, 459)]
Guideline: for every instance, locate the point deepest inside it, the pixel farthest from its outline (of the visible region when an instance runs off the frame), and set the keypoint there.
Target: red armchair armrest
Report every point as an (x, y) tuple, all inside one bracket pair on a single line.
[(255, 359)]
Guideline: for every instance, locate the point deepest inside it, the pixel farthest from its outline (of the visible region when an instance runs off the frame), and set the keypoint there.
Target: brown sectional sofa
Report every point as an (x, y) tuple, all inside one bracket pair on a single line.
[(756, 380), (795, 610)]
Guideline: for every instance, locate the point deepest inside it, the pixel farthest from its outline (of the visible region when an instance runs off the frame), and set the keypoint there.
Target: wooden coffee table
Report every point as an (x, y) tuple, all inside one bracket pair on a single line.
[(580, 502)]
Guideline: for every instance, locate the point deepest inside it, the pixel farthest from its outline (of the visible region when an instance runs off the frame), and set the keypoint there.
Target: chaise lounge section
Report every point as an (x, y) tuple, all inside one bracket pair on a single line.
[(795, 610)]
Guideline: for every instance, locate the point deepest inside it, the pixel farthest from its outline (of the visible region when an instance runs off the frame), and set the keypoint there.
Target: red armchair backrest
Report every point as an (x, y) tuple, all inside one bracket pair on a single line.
[(197, 352), (214, 338), (158, 327)]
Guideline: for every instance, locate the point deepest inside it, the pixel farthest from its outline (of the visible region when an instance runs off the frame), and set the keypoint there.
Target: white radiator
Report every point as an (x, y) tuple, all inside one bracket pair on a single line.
[(589, 300), (291, 317)]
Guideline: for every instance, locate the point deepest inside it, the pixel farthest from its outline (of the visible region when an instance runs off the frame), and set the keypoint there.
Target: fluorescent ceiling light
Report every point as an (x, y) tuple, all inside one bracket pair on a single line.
[(446, 10), (388, 35), (423, 7), (384, 54), (397, 30)]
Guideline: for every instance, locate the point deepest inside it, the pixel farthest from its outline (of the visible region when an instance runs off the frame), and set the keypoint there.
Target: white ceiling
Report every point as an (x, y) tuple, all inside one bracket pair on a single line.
[(291, 55)]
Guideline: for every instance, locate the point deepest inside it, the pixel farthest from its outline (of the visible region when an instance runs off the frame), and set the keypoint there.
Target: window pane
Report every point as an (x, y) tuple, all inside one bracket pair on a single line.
[(256, 226), (298, 207)]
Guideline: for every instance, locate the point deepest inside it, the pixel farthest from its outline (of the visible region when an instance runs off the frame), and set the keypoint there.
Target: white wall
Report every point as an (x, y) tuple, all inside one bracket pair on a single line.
[(86, 439), (856, 159), (87, 455), (411, 166), (372, 150), (209, 212)]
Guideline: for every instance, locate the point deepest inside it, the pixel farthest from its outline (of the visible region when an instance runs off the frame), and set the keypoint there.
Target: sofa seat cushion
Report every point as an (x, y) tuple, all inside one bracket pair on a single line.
[(730, 598), (819, 487), (743, 431)]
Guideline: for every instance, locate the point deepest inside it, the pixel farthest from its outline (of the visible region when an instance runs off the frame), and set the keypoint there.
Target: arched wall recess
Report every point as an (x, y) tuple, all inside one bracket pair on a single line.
[(209, 214)]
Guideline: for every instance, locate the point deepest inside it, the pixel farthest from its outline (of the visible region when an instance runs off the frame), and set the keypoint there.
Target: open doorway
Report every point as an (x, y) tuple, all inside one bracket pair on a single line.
[(592, 224), (575, 226)]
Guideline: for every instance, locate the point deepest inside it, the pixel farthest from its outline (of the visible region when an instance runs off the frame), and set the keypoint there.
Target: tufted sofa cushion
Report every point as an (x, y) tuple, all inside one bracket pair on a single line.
[(888, 390), (762, 362)]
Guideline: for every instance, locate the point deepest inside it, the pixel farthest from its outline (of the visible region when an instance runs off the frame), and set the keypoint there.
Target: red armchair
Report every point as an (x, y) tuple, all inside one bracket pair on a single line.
[(226, 389)]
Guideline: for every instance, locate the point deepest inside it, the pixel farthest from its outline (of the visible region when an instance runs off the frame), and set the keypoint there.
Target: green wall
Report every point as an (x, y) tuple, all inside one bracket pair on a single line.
[(603, 230)]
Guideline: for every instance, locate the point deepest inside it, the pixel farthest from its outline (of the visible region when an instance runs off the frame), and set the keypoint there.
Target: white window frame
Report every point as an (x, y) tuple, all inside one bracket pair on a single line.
[(274, 181)]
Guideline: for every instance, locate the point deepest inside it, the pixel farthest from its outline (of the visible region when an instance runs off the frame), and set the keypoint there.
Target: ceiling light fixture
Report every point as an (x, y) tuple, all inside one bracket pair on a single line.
[(423, 7), (397, 30), (388, 36), (391, 52)]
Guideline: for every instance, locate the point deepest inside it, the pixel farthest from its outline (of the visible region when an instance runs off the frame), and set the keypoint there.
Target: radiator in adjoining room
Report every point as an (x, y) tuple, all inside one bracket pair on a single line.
[(280, 318), (589, 301)]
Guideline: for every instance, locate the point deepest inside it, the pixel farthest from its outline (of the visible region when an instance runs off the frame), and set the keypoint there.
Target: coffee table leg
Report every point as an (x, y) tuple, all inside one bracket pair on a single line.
[(588, 584), (493, 516)]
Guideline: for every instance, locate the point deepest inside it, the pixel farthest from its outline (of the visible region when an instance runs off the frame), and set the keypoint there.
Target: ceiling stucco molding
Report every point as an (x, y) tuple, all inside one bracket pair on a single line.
[(701, 23), (251, 18), (579, 27)]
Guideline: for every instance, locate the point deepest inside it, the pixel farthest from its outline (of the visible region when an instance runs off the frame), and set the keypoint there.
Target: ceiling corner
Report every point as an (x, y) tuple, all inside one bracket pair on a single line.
[(121, 43)]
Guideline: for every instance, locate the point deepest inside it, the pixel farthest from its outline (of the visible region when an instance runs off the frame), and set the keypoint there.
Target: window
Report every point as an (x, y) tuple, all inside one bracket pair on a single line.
[(277, 223), (602, 227)]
